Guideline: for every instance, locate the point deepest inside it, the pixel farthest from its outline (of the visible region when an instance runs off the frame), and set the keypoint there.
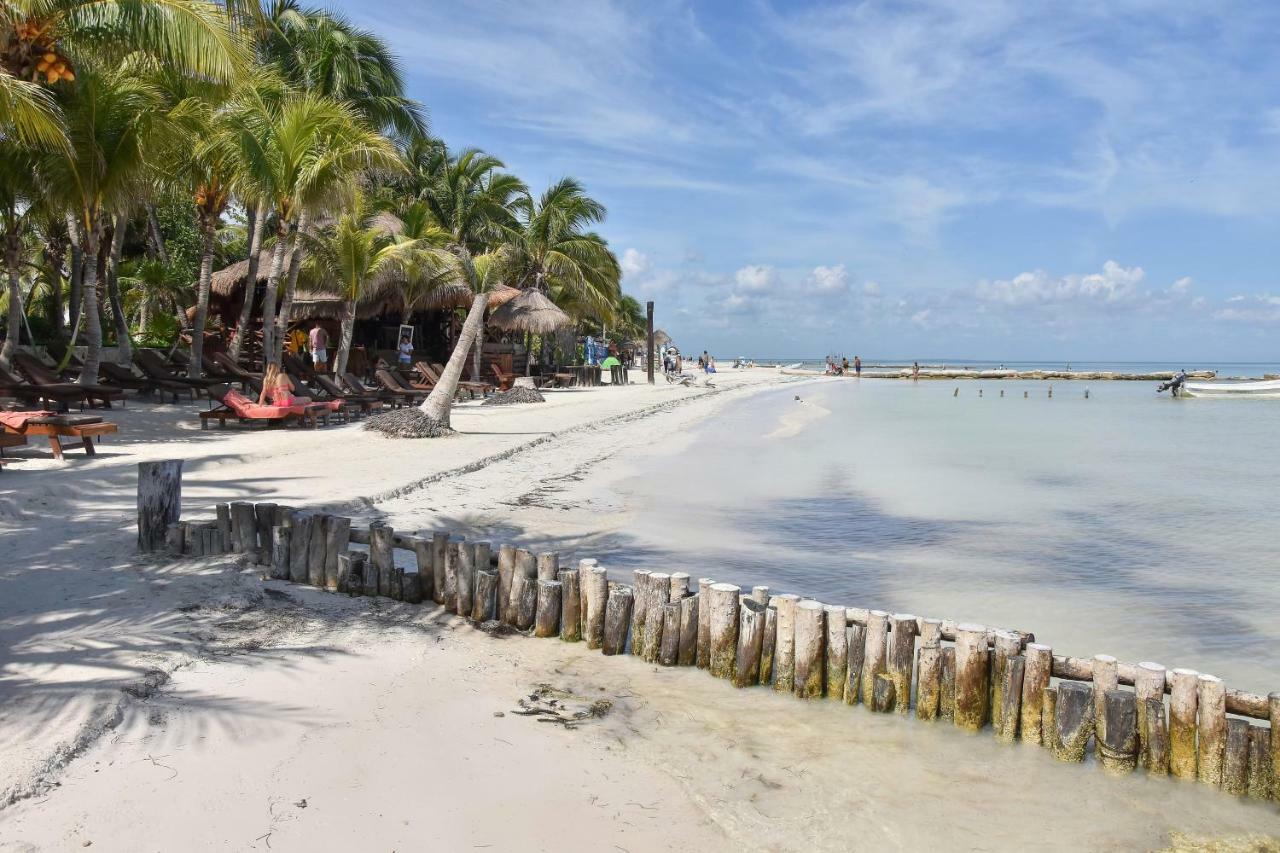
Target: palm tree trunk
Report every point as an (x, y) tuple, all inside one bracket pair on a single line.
[(123, 341), (257, 220), (273, 285), (344, 342), (154, 237), (12, 258), (54, 256), (291, 287), (440, 401), (476, 365), (196, 368), (77, 270), (89, 307)]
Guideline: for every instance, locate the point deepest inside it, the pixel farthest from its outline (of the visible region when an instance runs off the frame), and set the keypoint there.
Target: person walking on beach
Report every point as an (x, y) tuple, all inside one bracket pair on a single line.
[(915, 370), (319, 340), (857, 366)]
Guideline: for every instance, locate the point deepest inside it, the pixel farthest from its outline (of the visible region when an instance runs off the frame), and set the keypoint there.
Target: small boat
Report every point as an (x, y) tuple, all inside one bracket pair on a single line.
[(1260, 388)]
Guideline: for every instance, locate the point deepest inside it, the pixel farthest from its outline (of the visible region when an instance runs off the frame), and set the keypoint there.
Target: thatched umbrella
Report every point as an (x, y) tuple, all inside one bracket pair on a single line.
[(460, 296), (660, 337), (531, 311)]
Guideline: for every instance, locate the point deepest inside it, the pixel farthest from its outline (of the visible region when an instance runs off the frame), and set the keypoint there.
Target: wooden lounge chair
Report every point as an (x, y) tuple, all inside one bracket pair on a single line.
[(153, 366), (390, 382), (505, 380), (433, 372), (85, 428), (42, 377), (235, 372), (366, 402), (111, 373), (232, 405), (391, 398)]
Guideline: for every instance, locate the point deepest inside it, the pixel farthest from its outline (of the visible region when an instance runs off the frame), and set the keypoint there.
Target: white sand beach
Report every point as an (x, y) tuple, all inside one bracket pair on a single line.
[(159, 705)]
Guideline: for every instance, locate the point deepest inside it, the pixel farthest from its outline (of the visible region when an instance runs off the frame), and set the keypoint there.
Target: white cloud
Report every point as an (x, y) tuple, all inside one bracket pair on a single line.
[(756, 278), (1115, 284), (1259, 310), (634, 262), (828, 279)]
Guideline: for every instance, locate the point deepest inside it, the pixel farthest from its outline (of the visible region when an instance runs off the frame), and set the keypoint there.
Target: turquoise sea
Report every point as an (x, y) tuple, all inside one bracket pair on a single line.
[(872, 364)]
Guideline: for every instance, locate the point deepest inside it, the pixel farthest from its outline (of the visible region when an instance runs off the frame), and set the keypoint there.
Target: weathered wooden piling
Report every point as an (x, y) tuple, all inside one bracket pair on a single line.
[(857, 641), (422, 559), (280, 552), (506, 573), (1183, 697), (1211, 728), (1235, 762), (1049, 720), (264, 515), (704, 623), (547, 620), (900, 657), (1010, 716), (173, 539), (548, 565), (583, 566), (222, 514), (651, 647), (810, 634), (928, 682), (658, 587), (837, 638), (947, 686), (971, 677), (1259, 763), (316, 554), (1273, 707), (679, 586), (485, 604), (882, 694), (1035, 678), (465, 579), (595, 587), (760, 594), (689, 622), (570, 607), (337, 537), (1154, 751), (1106, 676), (876, 654), (617, 617), (439, 561), (299, 545), (525, 576), (640, 608), (784, 644), (1148, 683), (669, 650), (527, 606), (768, 645), (1118, 735), (344, 569), (395, 583), (1006, 645), (751, 621), (482, 556), (1073, 723), (244, 528), (722, 605), (381, 556)]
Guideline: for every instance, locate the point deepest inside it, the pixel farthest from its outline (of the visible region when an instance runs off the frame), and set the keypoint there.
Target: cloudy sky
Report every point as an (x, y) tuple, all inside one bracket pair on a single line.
[(939, 178)]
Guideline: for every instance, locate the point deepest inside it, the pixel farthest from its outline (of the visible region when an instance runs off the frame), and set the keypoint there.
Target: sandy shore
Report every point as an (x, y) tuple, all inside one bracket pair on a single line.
[(158, 705)]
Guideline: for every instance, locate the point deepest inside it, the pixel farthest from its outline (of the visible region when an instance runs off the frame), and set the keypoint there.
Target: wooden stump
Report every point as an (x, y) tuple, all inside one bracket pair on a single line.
[(639, 608), (595, 589), (264, 515), (653, 623), (344, 569), (159, 502), (299, 545), (280, 553), (548, 565), (1118, 735), (971, 677), (768, 645), (928, 682), (223, 514), (837, 643), (1273, 705), (547, 621), (947, 687), (1073, 720), (482, 557), (174, 536), (882, 694), (525, 577), (723, 607), (1007, 644), (857, 641), (669, 651), (439, 559), (466, 579), (381, 556), (689, 607), (784, 644), (1155, 737), (1183, 691), (570, 607), (760, 595), (244, 528), (1235, 763), (412, 586), (617, 618), (452, 557), (931, 633), (1049, 720), (1148, 683), (657, 592), (1211, 728), (704, 623), (337, 540), (810, 634), (584, 570), (1259, 763), (1106, 676), (506, 582), (875, 658), (484, 607), (1035, 678), (395, 583), (679, 586), (527, 606), (422, 558), (901, 656), (316, 556), (746, 671), (1012, 676)]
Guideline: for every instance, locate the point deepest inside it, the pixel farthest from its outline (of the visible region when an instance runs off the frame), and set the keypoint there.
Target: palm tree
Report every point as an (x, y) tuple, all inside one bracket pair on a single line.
[(470, 198), (29, 115), (352, 256), (19, 190)]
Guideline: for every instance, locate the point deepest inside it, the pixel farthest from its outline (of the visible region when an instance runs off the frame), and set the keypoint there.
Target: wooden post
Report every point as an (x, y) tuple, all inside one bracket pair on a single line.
[(837, 643), (524, 577), (689, 607), (1012, 676), (1273, 706), (482, 557), (244, 528), (704, 623), (1182, 723), (337, 538), (1259, 763), (1007, 644), (1035, 678), (1074, 720), (466, 578), (857, 641), (570, 605), (971, 677), (1211, 728), (223, 512), (931, 633), (547, 622), (264, 519), (901, 656), (875, 657), (1106, 676), (395, 584), (548, 565), (381, 557), (669, 651), (928, 681), (451, 559), (159, 501), (1049, 721), (1155, 737), (639, 609), (439, 557), (299, 545), (723, 607), (617, 617), (345, 561), (173, 539), (1118, 735), (768, 645), (484, 607), (760, 594), (653, 623), (746, 670), (595, 586), (527, 606), (947, 689), (426, 572), (649, 356), (506, 582), (280, 553), (316, 556), (810, 633), (784, 644), (679, 586), (1148, 683), (1235, 764), (584, 567), (882, 697)]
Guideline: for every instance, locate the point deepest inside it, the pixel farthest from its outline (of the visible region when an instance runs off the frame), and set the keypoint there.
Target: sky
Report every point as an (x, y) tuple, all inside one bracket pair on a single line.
[(1080, 180)]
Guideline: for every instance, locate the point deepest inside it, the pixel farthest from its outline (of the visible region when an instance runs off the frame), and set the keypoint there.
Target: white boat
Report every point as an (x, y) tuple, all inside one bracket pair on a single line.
[(1260, 388)]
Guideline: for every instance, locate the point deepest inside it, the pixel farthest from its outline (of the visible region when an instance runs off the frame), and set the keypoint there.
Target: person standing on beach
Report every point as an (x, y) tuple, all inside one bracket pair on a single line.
[(857, 366), (319, 340), (915, 370), (405, 351)]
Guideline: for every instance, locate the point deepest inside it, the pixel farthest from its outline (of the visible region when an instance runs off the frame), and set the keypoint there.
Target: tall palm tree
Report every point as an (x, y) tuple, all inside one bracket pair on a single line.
[(19, 190), (470, 198), (28, 114)]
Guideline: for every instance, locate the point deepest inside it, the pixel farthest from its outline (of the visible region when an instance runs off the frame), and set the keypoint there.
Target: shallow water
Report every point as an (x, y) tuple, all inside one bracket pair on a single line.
[(1126, 523)]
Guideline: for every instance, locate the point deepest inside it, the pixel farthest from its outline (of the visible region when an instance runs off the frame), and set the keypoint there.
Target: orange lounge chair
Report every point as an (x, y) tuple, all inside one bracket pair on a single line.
[(57, 427), (236, 406)]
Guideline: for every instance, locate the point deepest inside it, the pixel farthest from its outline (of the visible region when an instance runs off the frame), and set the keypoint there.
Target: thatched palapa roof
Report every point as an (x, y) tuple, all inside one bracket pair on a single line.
[(531, 311)]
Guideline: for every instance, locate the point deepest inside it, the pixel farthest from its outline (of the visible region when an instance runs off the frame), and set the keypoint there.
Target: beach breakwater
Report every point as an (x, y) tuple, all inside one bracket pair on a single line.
[(974, 677)]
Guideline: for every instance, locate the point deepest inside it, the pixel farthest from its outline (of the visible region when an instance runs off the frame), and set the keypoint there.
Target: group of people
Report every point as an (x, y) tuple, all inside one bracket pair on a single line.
[(706, 362), (315, 341), (840, 368)]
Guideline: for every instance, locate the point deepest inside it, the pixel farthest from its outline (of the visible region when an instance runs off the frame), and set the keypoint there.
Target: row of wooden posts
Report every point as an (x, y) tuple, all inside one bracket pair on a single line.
[(969, 675)]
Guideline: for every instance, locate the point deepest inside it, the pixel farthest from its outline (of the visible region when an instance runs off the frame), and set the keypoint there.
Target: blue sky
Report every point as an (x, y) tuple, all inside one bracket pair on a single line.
[(963, 178)]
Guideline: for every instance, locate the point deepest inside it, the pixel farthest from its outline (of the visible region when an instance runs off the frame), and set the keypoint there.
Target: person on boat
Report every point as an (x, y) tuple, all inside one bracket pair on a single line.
[(1174, 385)]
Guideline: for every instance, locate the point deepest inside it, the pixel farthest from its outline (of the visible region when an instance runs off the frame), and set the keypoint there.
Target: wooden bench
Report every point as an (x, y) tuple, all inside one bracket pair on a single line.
[(57, 428)]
